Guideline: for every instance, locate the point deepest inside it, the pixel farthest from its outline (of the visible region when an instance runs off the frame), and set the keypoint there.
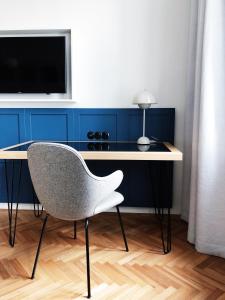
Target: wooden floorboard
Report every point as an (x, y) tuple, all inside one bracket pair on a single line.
[(143, 273)]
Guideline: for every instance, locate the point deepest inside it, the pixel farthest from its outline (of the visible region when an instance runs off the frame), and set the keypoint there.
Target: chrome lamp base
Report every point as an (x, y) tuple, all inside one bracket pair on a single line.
[(143, 140)]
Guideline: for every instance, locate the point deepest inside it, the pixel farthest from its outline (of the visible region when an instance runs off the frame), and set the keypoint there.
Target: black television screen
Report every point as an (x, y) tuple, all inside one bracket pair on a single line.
[(32, 64)]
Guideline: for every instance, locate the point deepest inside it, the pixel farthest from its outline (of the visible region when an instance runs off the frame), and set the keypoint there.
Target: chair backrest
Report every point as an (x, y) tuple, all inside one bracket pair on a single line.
[(63, 183)]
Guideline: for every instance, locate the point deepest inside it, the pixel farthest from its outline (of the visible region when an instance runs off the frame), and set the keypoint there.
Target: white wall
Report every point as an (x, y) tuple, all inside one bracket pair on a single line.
[(119, 47)]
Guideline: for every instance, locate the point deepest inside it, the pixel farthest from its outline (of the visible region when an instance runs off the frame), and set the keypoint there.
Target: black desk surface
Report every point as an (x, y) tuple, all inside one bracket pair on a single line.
[(102, 146)]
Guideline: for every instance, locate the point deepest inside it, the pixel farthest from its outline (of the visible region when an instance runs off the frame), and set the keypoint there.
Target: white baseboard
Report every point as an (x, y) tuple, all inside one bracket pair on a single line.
[(139, 210)]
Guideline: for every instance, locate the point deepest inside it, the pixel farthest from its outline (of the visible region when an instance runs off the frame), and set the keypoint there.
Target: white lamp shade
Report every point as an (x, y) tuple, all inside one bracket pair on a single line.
[(144, 99)]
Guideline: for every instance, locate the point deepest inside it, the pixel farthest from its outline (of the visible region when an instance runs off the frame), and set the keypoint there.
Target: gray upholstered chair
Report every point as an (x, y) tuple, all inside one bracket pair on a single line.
[(69, 191)]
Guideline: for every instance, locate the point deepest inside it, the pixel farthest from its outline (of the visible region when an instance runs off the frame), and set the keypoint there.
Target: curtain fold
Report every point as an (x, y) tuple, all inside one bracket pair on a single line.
[(204, 156)]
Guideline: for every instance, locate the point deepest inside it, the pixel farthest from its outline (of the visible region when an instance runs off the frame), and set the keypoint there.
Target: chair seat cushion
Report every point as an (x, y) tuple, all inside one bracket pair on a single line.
[(112, 200)]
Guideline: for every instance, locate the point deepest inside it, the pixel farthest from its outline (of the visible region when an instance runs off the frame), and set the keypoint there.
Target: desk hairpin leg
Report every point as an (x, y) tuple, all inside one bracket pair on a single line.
[(37, 211), (12, 198), (162, 213)]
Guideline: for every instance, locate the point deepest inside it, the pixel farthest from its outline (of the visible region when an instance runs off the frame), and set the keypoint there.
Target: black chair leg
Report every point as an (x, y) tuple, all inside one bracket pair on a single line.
[(39, 247), (74, 230), (122, 229), (87, 259)]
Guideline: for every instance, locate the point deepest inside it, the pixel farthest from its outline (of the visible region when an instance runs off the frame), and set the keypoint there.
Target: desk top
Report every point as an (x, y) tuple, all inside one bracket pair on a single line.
[(105, 150)]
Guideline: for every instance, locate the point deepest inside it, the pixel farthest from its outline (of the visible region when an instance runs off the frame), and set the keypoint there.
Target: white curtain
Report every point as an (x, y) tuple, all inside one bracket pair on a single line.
[(204, 155)]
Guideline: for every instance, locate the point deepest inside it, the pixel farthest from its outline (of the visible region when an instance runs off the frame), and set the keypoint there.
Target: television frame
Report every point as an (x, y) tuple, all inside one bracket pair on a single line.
[(43, 97)]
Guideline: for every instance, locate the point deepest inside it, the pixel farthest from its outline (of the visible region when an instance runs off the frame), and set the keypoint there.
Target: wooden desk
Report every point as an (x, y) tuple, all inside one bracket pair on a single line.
[(173, 154), (98, 151)]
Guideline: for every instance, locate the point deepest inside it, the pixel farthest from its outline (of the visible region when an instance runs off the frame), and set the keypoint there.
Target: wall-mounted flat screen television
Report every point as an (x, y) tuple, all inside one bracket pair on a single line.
[(32, 64)]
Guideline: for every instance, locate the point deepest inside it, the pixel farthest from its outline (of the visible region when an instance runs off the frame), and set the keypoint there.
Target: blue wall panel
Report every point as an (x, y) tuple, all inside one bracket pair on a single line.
[(9, 128), (18, 125), (49, 124), (97, 121), (160, 124), (134, 126), (12, 127)]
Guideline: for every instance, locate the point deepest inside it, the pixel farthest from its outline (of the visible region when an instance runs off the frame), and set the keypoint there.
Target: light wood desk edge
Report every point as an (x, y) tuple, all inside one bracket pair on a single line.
[(173, 155)]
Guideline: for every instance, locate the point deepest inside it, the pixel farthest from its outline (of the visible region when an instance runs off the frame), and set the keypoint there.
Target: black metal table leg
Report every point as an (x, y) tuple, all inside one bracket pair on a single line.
[(37, 211), (163, 215), (13, 196), (161, 206)]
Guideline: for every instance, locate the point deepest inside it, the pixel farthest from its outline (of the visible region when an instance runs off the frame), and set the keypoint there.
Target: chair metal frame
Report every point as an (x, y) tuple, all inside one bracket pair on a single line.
[(86, 227)]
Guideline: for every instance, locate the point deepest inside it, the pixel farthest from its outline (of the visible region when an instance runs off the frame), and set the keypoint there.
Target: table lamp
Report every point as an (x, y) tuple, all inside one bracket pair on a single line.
[(144, 101)]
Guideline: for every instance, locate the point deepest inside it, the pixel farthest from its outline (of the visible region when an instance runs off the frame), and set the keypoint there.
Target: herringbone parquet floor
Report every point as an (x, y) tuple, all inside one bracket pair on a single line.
[(143, 273)]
